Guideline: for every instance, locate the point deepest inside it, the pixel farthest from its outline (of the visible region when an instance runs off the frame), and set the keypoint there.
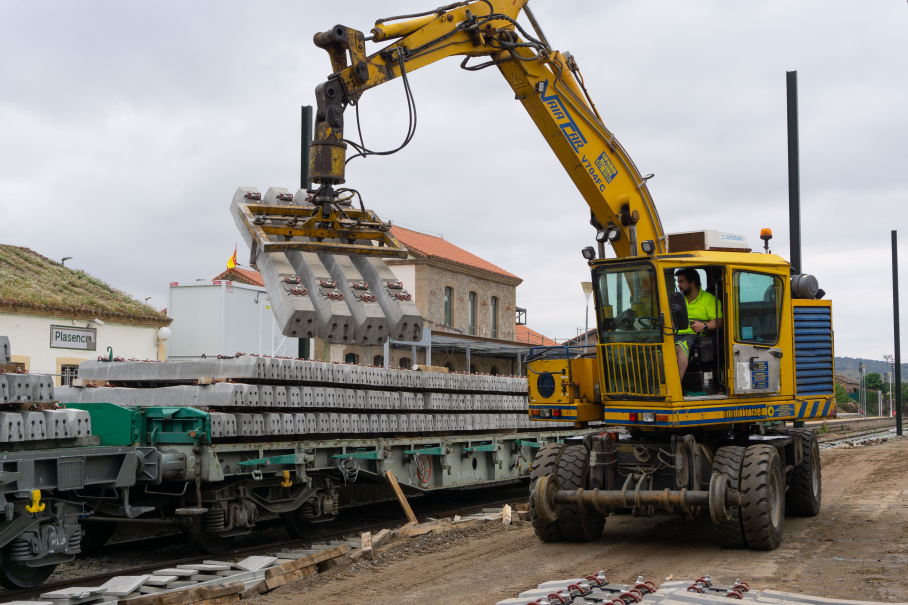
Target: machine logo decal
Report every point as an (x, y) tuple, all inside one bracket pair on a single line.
[(564, 119)]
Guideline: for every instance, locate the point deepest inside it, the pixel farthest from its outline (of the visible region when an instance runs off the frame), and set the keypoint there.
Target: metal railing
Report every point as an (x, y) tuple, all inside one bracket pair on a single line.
[(633, 369)]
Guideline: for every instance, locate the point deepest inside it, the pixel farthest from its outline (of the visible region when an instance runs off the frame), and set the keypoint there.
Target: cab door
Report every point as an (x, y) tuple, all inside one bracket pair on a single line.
[(756, 299)]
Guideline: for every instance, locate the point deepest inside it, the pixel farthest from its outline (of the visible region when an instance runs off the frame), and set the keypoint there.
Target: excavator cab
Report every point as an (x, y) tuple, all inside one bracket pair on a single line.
[(765, 358)]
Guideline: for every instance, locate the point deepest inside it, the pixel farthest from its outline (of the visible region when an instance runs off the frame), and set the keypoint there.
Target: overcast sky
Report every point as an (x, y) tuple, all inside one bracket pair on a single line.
[(125, 128)]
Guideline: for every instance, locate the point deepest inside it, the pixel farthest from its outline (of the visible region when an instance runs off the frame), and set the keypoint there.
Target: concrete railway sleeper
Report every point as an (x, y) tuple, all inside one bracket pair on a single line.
[(746, 481)]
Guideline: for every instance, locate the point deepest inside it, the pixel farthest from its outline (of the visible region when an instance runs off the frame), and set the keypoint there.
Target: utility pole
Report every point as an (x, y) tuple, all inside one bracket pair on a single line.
[(895, 326)]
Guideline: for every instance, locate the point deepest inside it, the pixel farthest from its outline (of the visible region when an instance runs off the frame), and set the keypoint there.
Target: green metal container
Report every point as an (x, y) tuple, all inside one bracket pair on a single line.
[(114, 424)]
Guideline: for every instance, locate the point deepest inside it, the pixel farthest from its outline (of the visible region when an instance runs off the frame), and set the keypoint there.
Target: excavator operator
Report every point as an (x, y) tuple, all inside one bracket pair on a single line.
[(703, 311)]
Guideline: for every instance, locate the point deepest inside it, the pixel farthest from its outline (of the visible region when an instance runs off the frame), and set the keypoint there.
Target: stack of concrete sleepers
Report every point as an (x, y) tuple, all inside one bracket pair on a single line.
[(271, 397)]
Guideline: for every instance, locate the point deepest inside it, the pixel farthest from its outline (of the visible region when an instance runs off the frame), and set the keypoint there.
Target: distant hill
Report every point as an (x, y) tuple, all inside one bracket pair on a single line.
[(848, 366)]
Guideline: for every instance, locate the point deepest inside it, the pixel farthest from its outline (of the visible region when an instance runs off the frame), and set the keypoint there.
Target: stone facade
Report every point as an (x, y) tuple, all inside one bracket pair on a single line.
[(462, 284), (426, 279)]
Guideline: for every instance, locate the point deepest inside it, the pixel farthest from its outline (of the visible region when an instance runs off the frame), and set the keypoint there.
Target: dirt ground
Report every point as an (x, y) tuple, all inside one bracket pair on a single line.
[(855, 549)]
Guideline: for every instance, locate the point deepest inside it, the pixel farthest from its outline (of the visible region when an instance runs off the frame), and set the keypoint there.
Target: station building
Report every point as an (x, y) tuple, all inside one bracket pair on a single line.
[(57, 317)]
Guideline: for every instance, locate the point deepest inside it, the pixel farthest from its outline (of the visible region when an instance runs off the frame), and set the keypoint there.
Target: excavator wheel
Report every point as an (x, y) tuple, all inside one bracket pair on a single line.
[(728, 461), (805, 489), (546, 462), (577, 524), (763, 497)]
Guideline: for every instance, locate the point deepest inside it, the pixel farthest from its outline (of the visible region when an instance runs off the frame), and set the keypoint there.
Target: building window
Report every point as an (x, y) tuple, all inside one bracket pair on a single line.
[(350, 357), (404, 363), (378, 361), (494, 317), (449, 306), (494, 370), (68, 374), (472, 369), (448, 365), (472, 313)]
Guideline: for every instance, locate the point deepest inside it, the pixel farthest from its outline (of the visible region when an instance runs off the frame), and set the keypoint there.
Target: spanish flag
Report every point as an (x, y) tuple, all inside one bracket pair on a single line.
[(232, 262)]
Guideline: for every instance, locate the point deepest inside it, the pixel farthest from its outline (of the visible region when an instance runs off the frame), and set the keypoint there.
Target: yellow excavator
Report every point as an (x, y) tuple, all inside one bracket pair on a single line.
[(708, 354)]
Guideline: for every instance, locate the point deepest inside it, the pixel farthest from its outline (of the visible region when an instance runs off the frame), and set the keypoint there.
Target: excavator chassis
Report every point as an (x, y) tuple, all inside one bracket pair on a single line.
[(743, 480)]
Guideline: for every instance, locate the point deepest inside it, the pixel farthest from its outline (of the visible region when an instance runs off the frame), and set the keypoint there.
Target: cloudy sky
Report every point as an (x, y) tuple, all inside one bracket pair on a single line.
[(125, 128)]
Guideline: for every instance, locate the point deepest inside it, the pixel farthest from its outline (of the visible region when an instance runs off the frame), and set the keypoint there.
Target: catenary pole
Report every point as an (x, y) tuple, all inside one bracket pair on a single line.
[(895, 325)]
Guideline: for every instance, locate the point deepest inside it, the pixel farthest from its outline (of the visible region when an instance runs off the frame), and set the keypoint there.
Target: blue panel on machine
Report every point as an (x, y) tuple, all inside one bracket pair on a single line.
[(813, 351)]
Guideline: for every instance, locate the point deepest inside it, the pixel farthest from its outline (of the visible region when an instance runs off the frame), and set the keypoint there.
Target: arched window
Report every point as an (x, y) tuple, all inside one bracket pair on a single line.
[(472, 369), (448, 365), (449, 306), (494, 313), (378, 360), (494, 370), (351, 358), (404, 363), (472, 315)]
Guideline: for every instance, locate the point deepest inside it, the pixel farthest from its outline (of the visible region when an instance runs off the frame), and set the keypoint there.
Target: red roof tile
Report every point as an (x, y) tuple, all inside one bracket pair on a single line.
[(421, 245), (532, 337), (243, 276)]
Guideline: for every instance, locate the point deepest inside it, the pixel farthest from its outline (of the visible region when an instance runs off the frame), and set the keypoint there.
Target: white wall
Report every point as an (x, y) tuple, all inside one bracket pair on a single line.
[(29, 338), (407, 276), (202, 310)]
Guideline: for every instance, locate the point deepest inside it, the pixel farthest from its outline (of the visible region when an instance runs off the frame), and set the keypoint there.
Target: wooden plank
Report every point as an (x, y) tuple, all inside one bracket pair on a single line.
[(423, 528), (506, 515), (367, 544), (401, 498), (323, 555), (225, 600), (298, 574), (335, 562), (379, 539), (187, 595)]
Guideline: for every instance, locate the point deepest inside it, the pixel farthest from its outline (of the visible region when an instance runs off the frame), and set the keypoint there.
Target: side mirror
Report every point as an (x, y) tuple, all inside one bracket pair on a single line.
[(678, 309)]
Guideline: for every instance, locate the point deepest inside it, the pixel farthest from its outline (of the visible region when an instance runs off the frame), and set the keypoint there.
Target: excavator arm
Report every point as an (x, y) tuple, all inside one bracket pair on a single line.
[(547, 83), (322, 257)]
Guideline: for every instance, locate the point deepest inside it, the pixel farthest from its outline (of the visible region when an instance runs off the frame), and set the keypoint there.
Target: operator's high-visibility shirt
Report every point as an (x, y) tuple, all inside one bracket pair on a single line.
[(703, 308)]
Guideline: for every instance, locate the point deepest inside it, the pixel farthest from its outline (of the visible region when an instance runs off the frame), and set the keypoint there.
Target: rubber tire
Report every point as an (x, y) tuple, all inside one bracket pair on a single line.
[(805, 488), (728, 461), (545, 462), (763, 497), (15, 575), (95, 535), (577, 524)]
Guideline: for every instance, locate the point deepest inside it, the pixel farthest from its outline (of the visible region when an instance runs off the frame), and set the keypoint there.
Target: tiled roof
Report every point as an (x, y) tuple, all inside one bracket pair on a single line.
[(243, 276), (593, 337), (421, 245), (532, 337), (30, 282)]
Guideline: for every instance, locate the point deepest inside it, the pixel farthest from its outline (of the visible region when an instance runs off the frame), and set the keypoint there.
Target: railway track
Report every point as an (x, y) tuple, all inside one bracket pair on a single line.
[(98, 579), (856, 437)]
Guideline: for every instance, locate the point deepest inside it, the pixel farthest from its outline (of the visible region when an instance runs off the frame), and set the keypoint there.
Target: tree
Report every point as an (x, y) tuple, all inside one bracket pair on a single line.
[(841, 395), (873, 381)]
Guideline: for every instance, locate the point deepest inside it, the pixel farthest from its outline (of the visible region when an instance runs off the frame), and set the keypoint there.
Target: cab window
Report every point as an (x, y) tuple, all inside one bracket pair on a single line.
[(628, 304), (758, 306)]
